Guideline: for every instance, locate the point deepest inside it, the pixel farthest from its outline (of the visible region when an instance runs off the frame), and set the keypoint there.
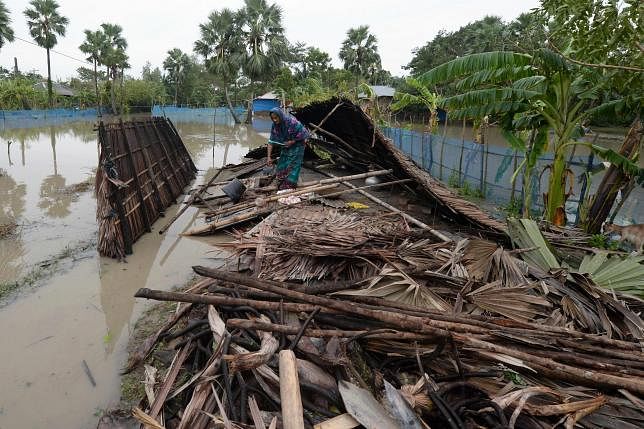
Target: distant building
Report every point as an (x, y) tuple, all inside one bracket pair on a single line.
[(384, 96), (58, 88), (381, 92), (266, 102)]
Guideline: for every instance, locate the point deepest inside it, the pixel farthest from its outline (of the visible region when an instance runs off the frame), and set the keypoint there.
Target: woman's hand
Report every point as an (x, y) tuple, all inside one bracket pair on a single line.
[(289, 143)]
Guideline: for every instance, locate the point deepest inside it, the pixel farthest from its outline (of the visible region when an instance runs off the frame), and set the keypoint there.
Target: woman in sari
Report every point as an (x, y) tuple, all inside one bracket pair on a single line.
[(290, 133)]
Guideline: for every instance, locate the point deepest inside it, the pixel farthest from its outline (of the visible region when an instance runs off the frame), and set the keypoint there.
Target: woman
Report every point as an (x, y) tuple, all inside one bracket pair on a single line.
[(291, 133)]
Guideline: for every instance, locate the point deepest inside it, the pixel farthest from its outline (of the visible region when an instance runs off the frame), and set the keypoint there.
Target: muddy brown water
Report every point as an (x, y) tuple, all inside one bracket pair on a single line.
[(81, 306)]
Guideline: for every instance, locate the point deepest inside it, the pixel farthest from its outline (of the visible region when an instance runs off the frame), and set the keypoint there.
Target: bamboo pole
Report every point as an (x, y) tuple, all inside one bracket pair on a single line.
[(391, 208), (290, 395), (241, 217), (381, 334), (315, 182), (426, 325), (243, 206)]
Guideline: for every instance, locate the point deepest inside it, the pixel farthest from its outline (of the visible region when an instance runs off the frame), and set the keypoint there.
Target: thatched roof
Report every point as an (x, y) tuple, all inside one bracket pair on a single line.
[(363, 144)]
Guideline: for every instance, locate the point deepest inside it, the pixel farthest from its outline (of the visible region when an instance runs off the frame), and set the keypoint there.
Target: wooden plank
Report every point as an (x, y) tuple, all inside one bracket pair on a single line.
[(343, 421), (146, 216), (174, 152), (290, 396)]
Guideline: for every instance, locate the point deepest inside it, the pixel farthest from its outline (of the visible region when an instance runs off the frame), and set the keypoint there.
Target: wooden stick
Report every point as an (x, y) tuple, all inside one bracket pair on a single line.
[(391, 208), (317, 182), (243, 206), (381, 334), (290, 396), (160, 295), (426, 325)]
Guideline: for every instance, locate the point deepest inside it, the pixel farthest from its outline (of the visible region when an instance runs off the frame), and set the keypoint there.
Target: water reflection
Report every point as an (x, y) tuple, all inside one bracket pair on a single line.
[(12, 205), (53, 197), (12, 198)]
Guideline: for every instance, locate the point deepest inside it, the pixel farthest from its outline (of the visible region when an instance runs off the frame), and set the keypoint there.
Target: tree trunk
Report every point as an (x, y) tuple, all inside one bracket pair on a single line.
[(112, 95), (50, 92), (122, 90), (612, 182), (230, 105), (249, 115), (98, 97), (176, 93)]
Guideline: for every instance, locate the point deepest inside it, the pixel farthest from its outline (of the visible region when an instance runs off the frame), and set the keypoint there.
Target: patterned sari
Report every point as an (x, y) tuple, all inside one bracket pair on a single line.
[(290, 161)]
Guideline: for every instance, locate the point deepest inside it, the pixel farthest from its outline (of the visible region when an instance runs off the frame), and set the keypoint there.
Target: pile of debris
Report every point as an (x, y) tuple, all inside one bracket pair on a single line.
[(331, 314), (336, 320)]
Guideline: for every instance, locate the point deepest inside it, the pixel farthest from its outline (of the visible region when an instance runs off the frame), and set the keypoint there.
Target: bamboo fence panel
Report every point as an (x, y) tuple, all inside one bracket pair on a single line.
[(145, 167)]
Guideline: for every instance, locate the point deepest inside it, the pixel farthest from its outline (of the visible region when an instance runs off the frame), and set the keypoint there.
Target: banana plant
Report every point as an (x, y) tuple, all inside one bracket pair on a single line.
[(525, 92), (422, 96)]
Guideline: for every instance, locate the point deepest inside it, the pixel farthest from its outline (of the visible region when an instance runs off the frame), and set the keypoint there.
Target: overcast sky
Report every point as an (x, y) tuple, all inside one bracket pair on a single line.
[(153, 27)]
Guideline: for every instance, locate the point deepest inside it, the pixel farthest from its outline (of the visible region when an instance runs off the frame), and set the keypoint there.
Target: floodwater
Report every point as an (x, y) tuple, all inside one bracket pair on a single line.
[(78, 307)]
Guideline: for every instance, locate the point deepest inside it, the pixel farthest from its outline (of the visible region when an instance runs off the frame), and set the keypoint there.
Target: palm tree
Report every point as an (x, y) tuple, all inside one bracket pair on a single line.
[(92, 46), (176, 64), (220, 47), (265, 46), (113, 56), (45, 23), (360, 52), (6, 33)]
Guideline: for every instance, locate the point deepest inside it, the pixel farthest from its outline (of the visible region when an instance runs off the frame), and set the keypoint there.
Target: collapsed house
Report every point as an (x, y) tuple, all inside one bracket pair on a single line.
[(343, 313)]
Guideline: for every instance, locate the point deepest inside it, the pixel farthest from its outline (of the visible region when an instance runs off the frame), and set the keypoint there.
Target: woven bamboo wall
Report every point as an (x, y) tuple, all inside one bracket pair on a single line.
[(143, 168)]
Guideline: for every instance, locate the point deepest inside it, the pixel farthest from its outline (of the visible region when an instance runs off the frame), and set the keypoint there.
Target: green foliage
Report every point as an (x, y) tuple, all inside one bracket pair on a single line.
[(176, 66), (45, 23), (6, 33), (600, 241), (512, 208), (359, 52), (525, 33)]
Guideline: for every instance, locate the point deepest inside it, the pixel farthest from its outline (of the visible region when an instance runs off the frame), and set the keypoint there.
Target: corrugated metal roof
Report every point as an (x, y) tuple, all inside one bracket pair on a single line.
[(379, 91)]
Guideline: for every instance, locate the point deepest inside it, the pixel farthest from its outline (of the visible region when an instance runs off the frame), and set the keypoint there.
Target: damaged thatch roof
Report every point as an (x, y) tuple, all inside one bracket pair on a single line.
[(350, 133)]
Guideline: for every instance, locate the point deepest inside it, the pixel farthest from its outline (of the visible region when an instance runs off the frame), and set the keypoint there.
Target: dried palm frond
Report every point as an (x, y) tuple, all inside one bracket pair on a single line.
[(453, 265), (516, 303), (394, 285), (416, 395), (487, 262)]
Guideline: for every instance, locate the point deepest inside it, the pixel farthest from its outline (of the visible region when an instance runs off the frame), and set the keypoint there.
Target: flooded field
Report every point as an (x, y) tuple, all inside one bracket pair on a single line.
[(60, 303)]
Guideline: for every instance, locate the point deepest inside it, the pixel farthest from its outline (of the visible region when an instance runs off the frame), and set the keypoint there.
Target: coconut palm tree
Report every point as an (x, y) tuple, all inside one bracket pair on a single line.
[(176, 64), (360, 52), (6, 33), (265, 46), (92, 46), (221, 49), (45, 23), (113, 56)]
